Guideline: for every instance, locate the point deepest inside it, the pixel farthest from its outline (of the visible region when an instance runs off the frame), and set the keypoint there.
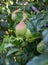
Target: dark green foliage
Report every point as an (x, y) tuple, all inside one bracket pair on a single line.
[(18, 50)]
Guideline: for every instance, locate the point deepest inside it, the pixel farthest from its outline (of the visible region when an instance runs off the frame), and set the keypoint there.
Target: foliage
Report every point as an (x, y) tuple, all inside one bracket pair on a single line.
[(32, 47)]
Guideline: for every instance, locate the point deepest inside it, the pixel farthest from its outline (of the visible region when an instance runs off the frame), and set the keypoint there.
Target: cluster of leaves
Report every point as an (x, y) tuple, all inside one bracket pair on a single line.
[(18, 49)]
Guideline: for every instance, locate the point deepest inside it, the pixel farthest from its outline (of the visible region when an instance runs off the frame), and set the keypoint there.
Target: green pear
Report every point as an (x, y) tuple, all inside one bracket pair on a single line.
[(20, 29), (41, 47), (13, 17), (29, 36)]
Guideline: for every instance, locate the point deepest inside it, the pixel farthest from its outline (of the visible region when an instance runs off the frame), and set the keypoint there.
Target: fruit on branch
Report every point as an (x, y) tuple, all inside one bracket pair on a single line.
[(41, 47), (13, 17), (20, 29), (29, 36)]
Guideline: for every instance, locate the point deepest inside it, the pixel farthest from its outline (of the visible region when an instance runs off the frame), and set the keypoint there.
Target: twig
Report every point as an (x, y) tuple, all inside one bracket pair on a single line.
[(35, 9)]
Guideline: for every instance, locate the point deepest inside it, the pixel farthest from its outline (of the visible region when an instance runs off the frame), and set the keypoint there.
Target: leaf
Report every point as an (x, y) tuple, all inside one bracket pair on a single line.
[(45, 36), (2, 16), (40, 16), (19, 16), (9, 45), (39, 60), (6, 61), (11, 51), (36, 23), (6, 39), (6, 44), (1, 60), (2, 48), (31, 26)]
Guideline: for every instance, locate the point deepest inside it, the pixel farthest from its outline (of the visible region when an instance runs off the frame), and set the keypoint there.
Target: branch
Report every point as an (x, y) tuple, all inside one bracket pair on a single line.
[(35, 9), (32, 7)]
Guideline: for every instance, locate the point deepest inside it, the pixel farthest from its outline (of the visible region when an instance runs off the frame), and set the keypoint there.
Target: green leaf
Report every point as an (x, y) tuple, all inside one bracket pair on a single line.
[(19, 16), (8, 45), (4, 46), (39, 60), (11, 51), (2, 16), (6, 39), (40, 16), (6, 61), (45, 36), (31, 26)]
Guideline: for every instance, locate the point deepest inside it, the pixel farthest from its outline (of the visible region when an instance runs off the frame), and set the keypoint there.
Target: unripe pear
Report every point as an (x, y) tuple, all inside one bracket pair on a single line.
[(29, 36), (21, 29), (41, 47), (13, 17)]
